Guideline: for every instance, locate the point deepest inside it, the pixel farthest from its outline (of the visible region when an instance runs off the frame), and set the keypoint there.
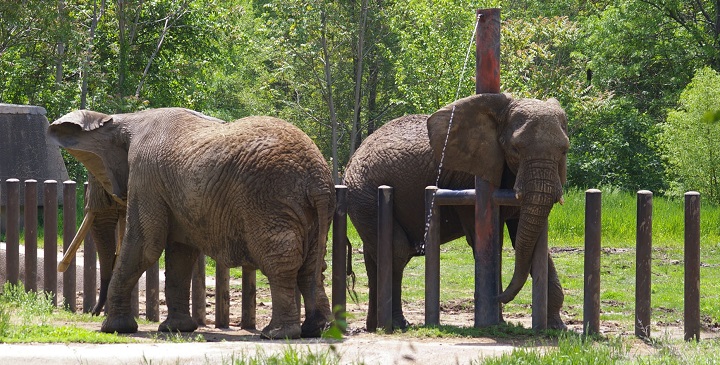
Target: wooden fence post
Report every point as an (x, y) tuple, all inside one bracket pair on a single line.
[(50, 215), (69, 230)]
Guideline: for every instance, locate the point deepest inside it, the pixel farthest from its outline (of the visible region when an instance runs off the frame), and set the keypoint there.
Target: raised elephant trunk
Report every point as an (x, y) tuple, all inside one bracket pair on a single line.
[(539, 188)]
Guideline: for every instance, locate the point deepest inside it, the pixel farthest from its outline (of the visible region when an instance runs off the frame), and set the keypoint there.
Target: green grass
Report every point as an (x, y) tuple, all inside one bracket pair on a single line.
[(291, 355), (31, 317)]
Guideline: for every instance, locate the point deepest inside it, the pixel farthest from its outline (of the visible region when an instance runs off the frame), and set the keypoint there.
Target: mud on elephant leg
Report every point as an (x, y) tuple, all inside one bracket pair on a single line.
[(285, 322), (141, 247), (179, 264), (555, 298), (317, 305)]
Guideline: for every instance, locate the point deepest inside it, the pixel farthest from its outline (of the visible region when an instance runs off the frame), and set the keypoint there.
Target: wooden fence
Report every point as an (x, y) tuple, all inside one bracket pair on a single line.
[(152, 275)]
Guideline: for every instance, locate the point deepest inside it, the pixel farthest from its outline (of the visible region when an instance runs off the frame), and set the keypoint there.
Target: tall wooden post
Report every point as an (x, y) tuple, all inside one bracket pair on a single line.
[(385, 258), (643, 272), (339, 255), (593, 236), (487, 240), (692, 266)]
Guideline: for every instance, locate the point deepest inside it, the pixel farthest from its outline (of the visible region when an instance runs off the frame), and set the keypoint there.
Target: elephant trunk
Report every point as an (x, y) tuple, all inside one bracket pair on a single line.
[(540, 189)]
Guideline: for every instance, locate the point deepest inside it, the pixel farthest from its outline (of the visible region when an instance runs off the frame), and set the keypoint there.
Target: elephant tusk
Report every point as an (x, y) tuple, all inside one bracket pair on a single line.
[(562, 200), (79, 237), (120, 235)]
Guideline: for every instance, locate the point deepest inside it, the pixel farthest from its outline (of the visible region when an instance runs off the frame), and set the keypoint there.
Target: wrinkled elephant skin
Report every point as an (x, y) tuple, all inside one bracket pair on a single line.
[(253, 192), (518, 144)]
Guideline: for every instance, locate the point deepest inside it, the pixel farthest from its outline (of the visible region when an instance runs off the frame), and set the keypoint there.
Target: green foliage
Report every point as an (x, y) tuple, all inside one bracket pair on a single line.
[(690, 137)]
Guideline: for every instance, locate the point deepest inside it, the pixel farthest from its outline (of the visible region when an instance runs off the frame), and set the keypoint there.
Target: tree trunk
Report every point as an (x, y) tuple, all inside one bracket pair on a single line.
[(354, 137), (89, 52), (60, 46), (372, 112), (330, 101), (123, 50)]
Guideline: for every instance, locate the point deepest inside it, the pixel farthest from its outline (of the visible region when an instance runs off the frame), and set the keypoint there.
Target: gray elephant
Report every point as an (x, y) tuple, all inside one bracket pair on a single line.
[(255, 192), (518, 144)]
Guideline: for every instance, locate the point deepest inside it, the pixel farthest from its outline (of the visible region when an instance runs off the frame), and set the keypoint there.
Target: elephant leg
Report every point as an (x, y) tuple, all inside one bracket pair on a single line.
[(317, 305), (179, 263), (285, 321), (401, 256), (142, 245), (371, 268), (555, 297), (403, 250), (280, 261), (103, 233)]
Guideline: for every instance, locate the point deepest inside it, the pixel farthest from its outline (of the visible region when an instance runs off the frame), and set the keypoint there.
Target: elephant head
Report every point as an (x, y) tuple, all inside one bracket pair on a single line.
[(486, 133), (105, 206)]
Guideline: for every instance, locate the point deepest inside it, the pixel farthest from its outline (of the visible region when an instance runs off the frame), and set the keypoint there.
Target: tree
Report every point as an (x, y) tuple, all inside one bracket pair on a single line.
[(690, 137)]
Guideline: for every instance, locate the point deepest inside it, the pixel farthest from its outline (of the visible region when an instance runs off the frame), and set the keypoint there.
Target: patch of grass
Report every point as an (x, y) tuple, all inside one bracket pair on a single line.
[(177, 337), (569, 350), (27, 317), (291, 355), (503, 331)]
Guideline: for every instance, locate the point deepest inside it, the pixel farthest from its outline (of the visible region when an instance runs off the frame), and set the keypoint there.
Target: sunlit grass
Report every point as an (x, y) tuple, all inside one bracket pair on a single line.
[(27, 317)]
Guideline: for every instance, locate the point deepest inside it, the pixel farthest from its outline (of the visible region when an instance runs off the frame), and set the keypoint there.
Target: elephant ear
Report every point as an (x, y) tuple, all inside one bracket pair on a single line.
[(472, 136), (93, 139)]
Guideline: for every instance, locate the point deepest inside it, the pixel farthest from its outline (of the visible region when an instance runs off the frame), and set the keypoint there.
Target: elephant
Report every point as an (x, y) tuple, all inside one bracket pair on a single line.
[(518, 144), (256, 192), (106, 223)]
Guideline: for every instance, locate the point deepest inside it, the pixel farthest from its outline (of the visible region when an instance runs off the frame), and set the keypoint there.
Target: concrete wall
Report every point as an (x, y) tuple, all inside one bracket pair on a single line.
[(26, 153)]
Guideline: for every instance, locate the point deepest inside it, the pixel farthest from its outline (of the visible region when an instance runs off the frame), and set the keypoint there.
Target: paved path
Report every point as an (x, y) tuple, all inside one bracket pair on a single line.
[(371, 349)]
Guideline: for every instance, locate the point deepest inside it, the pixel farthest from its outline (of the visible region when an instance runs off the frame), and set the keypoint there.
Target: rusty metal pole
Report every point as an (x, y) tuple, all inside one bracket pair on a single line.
[(692, 266), (593, 219), (487, 225), (487, 256), (12, 234), (339, 255), (487, 43), (249, 301), (69, 230), (432, 258), (643, 262), (385, 258), (198, 291), (89, 267), (31, 219), (222, 296), (50, 210)]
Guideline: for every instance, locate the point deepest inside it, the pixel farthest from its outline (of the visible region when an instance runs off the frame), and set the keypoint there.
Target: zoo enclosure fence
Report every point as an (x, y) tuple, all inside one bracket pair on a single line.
[(49, 270)]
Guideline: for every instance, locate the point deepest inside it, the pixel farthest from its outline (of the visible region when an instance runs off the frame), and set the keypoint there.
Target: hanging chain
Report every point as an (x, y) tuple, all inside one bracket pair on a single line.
[(421, 249)]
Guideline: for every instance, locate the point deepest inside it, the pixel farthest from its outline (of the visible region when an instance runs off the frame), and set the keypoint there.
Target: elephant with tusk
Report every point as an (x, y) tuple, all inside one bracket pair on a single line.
[(256, 192), (105, 221)]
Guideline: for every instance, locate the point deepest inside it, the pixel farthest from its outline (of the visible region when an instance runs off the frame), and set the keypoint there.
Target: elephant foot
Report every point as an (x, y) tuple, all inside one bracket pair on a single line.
[(178, 323), (287, 331), (400, 323), (555, 322), (314, 326), (119, 323)]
